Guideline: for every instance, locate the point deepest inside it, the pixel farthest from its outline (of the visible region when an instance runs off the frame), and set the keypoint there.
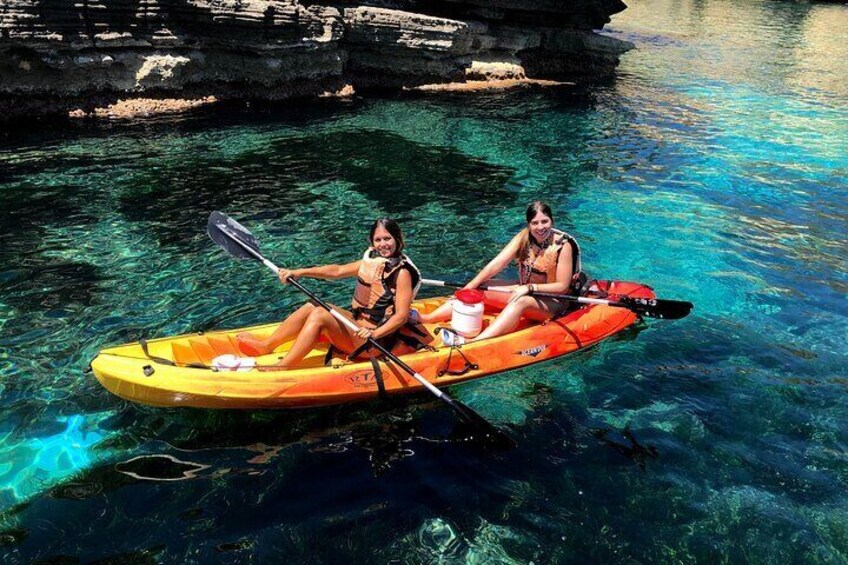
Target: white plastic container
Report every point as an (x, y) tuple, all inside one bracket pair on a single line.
[(228, 362), (467, 314)]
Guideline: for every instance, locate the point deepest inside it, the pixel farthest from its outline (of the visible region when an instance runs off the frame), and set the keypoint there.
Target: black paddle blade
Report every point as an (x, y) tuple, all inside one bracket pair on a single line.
[(223, 229), (657, 307), (486, 432)]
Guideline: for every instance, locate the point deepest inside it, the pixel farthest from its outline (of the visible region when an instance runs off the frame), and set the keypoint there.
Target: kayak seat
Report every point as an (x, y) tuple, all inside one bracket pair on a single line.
[(202, 349), (427, 306), (220, 344), (183, 353)]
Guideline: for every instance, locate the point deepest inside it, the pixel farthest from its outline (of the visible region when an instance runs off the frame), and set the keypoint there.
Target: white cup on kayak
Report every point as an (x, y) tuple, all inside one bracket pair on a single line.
[(230, 362), (467, 312)]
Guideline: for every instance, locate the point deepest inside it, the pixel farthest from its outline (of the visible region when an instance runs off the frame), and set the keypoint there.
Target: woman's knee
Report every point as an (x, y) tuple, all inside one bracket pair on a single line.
[(528, 302), (521, 304), (306, 309), (320, 316)]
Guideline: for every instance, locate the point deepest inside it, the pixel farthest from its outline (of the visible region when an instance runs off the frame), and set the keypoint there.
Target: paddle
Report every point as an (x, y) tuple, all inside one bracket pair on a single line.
[(236, 240), (650, 307)]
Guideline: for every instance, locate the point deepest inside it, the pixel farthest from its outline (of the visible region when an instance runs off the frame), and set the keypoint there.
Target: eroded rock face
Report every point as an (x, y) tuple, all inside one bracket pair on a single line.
[(56, 55)]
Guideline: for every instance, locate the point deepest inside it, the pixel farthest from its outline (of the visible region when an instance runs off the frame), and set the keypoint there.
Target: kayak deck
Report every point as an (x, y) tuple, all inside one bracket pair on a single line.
[(128, 372)]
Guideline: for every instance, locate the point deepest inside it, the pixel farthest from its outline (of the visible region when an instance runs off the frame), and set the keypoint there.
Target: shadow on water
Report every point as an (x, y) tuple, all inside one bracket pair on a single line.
[(577, 431), (39, 284), (627, 445), (55, 132), (396, 174), (311, 474), (34, 276), (380, 428), (174, 206)]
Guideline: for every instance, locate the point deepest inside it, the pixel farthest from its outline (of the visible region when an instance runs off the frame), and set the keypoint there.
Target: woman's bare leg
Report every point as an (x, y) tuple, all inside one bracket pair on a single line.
[(289, 328), (507, 320), (511, 315), (443, 313), (440, 314), (318, 321)]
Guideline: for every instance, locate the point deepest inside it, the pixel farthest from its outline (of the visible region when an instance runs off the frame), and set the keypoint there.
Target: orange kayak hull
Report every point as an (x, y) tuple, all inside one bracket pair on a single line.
[(130, 373)]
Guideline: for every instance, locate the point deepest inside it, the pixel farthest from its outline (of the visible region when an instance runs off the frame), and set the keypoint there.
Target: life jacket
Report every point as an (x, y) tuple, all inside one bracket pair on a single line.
[(376, 286), (540, 266), (374, 303)]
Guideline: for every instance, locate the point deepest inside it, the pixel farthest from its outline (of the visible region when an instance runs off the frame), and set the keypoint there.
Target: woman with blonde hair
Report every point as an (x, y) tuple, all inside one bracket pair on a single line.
[(548, 262)]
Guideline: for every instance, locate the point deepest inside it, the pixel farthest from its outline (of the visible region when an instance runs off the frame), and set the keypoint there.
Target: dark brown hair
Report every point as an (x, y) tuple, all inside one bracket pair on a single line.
[(534, 208), (390, 226)]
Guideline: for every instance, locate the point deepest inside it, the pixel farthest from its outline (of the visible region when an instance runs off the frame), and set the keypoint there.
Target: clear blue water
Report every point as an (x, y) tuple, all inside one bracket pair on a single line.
[(713, 167)]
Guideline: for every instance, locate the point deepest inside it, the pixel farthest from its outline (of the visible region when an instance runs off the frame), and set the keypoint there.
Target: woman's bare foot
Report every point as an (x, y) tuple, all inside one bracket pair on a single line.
[(252, 346)]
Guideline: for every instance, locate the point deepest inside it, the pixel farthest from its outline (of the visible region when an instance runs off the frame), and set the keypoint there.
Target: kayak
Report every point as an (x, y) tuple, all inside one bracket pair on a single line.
[(186, 370)]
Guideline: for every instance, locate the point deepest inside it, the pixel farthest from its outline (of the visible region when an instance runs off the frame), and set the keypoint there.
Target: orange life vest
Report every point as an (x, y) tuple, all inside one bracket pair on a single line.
[(376, 286), (374, 302), (541, 264)]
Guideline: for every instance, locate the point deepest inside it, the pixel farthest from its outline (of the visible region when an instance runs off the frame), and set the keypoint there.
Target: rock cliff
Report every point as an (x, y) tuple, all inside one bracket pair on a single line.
[(57, 55)]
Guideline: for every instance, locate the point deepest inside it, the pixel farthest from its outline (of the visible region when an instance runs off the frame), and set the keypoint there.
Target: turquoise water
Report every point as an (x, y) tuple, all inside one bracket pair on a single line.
[(713, 167)]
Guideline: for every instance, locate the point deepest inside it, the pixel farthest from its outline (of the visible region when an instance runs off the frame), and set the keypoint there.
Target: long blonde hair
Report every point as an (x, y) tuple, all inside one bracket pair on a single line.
[(533, 209)]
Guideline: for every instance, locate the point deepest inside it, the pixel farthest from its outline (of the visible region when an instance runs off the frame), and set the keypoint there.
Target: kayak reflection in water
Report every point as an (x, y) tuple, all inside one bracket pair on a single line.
[(387, 281), (548, 261)]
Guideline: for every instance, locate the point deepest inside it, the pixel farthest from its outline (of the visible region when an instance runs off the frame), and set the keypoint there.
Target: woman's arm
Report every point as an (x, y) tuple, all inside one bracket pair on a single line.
[(403, 300), (497, 264), (326, 272)]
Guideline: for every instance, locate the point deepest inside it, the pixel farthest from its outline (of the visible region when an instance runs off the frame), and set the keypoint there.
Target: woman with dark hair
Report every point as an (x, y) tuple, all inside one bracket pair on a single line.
[(387, 281), (548, 261)]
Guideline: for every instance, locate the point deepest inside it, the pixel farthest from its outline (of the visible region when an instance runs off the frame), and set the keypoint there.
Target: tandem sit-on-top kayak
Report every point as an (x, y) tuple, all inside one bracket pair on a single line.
[(179, 371)]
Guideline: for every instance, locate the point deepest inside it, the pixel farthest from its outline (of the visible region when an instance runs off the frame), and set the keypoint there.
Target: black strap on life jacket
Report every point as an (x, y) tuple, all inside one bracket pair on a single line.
[(579, 279), (376, 315), (575, 252)]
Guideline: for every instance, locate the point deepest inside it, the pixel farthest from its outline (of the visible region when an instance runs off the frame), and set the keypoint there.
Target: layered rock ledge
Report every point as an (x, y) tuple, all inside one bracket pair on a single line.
[(62, 55)]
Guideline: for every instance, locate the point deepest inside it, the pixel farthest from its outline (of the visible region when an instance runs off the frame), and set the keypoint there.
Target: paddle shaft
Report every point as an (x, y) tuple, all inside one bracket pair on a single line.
[(345, 321), (581, 299), (651, 307)]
